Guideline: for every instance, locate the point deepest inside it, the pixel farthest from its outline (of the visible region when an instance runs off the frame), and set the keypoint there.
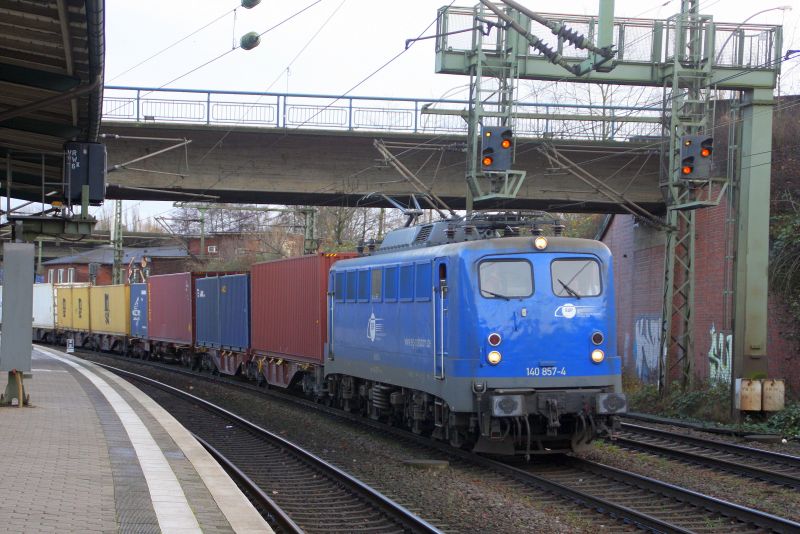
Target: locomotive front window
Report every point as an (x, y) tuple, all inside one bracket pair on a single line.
[(505, 279), (575, 278)]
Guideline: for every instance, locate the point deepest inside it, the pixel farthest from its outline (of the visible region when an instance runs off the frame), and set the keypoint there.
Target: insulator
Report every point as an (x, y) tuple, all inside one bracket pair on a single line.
[(572, 36), (250, 40)]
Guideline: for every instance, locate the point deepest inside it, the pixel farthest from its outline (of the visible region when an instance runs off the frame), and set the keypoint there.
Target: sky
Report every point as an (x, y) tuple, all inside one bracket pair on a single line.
[(333, 46)]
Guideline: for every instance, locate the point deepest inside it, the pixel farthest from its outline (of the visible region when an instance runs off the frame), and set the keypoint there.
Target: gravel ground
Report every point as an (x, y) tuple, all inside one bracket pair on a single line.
[(778, 500), (460, 498)]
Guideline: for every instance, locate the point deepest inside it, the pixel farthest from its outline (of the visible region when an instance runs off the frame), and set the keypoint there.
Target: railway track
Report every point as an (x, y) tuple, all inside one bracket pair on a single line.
[(302, 492), (633, 500), (669, 508), (775, 468)]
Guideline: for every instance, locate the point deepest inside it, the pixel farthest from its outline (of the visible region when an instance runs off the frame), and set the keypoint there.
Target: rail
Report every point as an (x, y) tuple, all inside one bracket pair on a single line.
[(371, 113)]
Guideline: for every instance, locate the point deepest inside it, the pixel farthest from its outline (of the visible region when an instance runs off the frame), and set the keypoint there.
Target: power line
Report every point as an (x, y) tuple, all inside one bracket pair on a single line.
[(297, 13), (279, 24), (182, 39), (284, 21), (252, 106)]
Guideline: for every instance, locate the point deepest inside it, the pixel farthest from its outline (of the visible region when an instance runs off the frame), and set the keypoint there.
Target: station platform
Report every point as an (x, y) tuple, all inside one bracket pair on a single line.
[(92, 453)]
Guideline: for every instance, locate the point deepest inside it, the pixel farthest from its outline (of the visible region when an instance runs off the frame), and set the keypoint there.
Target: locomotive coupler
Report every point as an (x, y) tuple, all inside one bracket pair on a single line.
[(553, 417)]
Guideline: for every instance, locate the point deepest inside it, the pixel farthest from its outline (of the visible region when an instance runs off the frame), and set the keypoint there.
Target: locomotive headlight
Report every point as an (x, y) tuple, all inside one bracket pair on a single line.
[(494, 339), (598, 355), (494, 357), (540, 243)]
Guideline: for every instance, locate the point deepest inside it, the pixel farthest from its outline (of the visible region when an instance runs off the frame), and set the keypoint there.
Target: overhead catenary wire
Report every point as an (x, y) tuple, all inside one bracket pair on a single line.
[(286, 69), (175, 43), (275, 26), (220, 56)]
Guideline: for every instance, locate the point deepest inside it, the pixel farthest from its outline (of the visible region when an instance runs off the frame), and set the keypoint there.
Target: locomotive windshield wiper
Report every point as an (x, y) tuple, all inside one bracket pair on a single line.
[(569, 289), (492, 293)]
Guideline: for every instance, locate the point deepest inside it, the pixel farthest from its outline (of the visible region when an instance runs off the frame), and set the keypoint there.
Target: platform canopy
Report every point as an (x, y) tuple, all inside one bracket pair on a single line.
[(52, 54)]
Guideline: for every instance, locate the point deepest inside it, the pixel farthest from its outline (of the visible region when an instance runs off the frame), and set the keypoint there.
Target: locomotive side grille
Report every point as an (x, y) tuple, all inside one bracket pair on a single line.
[(424, 233)]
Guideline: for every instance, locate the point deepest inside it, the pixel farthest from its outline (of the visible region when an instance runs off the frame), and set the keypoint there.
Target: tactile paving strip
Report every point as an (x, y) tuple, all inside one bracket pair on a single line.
[(134, 507)]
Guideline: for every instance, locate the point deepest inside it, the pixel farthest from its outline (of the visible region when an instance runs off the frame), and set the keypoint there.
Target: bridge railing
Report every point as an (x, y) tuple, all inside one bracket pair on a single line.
[(365, 113)]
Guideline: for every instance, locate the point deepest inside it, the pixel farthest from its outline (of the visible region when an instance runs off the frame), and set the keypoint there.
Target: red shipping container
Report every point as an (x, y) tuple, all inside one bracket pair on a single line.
[(170, 309), (288, 300)]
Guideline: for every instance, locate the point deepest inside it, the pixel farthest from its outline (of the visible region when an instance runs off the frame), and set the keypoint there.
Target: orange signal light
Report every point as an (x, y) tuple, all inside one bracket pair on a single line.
[(686, 169), (705, 152), (487, 160), (506, 143)]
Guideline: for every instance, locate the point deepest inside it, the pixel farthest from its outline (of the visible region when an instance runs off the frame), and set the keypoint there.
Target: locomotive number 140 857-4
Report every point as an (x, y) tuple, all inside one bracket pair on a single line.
[(546, 371)]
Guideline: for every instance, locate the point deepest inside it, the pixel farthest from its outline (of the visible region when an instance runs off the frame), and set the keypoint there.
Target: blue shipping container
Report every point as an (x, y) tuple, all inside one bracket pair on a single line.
[(139, 310), (207, 316), (234, 312)]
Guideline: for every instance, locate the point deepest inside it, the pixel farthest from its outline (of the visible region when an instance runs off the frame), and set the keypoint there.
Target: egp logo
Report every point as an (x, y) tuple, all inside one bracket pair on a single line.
[(567, 311), (371, 327), (374, 327)]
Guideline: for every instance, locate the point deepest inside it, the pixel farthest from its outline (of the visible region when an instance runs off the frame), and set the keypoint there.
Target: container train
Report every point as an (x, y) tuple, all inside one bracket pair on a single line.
[(503, 345)]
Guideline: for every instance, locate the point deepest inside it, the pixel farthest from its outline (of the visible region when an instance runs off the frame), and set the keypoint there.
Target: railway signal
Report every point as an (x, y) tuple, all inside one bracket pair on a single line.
[(497, 148), (696, 151)]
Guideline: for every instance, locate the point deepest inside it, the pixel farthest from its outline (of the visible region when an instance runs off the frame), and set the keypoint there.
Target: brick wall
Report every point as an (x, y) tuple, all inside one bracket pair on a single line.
[(638, 277), (638, 261)]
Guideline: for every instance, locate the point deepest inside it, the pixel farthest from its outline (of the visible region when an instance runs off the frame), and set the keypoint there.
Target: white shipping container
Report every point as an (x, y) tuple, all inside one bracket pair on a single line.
[(43, 311)]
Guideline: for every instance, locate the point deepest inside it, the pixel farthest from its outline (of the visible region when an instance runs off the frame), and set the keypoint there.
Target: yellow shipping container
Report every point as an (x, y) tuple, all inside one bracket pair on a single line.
[(110, 309), (80, 307), (64, 307)]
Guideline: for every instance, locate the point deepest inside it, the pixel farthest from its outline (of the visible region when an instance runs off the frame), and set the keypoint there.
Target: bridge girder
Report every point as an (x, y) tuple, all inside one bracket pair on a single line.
[(258, 165)]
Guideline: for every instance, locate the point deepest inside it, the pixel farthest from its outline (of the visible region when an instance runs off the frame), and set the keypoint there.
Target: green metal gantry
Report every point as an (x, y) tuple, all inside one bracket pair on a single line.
[(689, 56)]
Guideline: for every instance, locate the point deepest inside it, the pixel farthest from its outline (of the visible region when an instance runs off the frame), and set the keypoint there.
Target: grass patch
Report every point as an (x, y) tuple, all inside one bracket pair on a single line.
[(710, 403)]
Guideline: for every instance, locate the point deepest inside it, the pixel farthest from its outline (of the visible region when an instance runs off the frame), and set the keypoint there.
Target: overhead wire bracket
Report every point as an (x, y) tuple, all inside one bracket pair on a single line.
[(433, 200), (559, 29)]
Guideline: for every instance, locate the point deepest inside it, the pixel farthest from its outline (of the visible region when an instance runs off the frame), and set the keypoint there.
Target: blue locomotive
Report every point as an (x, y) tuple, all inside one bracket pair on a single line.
[(505, 345)]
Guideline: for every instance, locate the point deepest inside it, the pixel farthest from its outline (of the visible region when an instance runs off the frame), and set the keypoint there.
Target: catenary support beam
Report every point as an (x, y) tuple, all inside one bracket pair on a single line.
[(750, 316)]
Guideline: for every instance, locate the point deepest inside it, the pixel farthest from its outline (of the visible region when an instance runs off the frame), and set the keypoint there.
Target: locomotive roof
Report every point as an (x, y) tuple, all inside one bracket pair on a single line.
[(498, 245)]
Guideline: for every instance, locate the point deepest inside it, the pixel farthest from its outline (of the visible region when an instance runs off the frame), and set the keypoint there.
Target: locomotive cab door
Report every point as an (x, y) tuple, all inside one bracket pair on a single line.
[(440, 305)]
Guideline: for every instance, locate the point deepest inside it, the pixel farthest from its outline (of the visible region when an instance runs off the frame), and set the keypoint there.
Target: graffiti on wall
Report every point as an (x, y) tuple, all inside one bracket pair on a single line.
[(646, 345), (719, 356)]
